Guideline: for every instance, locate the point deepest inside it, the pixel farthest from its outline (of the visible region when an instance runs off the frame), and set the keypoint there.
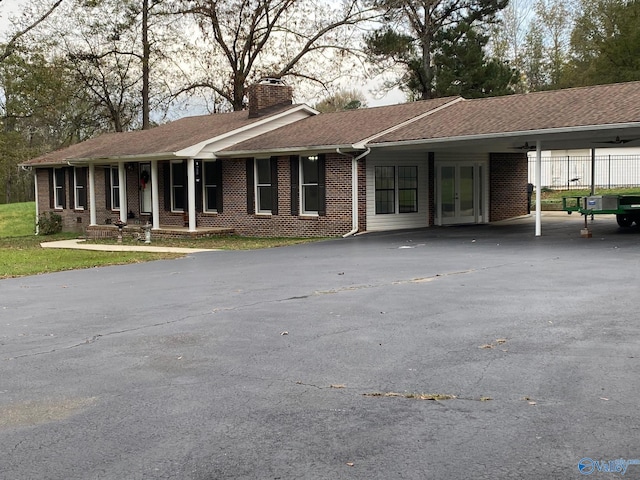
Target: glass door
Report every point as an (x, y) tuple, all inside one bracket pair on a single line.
[(460, 190)]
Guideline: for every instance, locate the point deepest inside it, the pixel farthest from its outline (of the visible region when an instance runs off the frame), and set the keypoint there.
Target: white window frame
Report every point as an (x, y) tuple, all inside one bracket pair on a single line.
[(257, 186), (78, 188), (115, 188), (173, 188), (58, 190), (303, 211), (205, 165)]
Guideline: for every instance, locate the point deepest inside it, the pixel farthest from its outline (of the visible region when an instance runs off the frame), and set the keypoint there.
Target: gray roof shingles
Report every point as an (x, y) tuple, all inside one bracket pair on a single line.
[(557, 109)]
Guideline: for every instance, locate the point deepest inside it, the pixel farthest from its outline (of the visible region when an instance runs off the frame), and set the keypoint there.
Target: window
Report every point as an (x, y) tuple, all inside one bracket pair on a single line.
[(396, 185), (58, 188), (309, 185), (264, 197), (385, 190), (178, 186), (80, 188), (211, 186), (407, 189), (115, 188)]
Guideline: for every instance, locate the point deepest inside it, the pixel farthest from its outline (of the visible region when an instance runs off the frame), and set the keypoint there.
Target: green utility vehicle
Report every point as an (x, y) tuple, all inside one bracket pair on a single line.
[(626, 208)]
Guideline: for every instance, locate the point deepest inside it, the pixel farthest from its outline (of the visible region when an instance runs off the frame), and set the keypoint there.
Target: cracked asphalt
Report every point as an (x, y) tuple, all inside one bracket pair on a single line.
[(310, 361)]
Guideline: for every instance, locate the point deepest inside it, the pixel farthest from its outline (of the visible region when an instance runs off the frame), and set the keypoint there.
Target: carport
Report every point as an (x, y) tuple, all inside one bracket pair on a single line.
[(580, 118)]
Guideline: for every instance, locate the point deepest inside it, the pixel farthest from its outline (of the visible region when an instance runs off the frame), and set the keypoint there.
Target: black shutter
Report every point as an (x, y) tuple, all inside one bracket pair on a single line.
[(51, 189), (274, 185), (167, 185), (219, 191), (295, 179), (250, 187), (322, 189), (199, 168), (107, 187)]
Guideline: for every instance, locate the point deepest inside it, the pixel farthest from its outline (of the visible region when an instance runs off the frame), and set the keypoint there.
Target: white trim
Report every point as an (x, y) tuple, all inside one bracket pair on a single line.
[(301, 184), (75, 190), (155, 197), (498, 135), (93, 218), (122, 180), (256, 185), (191, 193)]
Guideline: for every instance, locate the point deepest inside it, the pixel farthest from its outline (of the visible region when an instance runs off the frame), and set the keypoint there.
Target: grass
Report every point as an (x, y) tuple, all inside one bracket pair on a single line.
[(21, 253), (552, 199)]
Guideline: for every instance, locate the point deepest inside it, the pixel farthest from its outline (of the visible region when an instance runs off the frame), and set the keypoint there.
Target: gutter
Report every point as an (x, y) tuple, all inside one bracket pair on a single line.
[(354, 189)]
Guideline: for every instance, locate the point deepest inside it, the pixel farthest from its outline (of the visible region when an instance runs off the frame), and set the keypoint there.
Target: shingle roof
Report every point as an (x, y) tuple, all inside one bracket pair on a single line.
[(340, 128), (558, 109), (168, 138)]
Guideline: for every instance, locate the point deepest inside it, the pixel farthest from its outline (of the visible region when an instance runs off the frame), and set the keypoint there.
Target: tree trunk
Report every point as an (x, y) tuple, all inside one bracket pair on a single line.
[(146, 53)]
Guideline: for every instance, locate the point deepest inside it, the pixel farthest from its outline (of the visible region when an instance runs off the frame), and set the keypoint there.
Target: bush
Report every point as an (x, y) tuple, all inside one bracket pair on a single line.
[(49, 223)]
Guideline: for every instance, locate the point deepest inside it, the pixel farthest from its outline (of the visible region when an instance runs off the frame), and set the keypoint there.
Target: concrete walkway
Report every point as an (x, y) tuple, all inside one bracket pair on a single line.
[(80, 245)]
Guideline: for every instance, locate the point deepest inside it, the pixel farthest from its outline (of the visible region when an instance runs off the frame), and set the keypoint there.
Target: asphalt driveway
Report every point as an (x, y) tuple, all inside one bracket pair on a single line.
[(318, 361)]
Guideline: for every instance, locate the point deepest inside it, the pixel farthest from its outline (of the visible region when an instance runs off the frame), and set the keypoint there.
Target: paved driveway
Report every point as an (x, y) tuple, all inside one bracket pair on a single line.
[(309, 361)]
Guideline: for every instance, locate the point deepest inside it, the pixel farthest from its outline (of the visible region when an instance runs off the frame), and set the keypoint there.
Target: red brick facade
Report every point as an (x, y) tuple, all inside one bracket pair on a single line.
[(508, 198), (508, 179)]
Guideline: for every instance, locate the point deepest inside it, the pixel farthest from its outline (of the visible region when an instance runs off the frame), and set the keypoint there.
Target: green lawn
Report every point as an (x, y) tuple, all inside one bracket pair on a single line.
[(21, 253)]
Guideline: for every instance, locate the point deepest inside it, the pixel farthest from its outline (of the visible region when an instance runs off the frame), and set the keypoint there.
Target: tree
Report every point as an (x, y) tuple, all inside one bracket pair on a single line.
[(344, 99), (408, 38), (462, 67), (249, 39), (605, 43)]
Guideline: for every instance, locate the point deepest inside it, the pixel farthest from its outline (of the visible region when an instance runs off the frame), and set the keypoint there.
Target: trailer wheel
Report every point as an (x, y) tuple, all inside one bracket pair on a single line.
[(624, 220)]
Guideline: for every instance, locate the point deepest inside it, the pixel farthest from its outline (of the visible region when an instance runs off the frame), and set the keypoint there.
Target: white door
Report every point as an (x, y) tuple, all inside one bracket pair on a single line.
[(461, 193)]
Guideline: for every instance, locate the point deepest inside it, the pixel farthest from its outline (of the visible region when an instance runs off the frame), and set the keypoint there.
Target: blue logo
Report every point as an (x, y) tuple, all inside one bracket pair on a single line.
[(587, 466)]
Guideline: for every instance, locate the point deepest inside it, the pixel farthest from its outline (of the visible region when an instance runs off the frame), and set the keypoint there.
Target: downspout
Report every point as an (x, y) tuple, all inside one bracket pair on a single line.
[(354, 190)]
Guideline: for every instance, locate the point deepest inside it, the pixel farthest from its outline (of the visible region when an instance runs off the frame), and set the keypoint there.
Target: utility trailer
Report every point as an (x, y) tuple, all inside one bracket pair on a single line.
[(626, 208)]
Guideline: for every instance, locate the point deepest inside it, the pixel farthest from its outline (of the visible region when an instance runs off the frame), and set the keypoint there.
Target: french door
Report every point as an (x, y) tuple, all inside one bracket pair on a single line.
[(461, 189)]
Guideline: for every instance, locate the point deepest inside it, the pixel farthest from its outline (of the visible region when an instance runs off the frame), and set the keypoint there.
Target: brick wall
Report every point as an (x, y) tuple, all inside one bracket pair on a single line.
[(508, 185), (265, 95), (336, 222)]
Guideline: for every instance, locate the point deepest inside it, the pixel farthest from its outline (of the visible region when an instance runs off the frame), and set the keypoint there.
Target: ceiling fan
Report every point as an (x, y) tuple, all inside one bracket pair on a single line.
[(618, 141), (526, 146)]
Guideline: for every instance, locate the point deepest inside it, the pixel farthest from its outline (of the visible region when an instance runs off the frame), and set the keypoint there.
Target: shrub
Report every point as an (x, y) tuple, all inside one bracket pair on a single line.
[(49, 223)]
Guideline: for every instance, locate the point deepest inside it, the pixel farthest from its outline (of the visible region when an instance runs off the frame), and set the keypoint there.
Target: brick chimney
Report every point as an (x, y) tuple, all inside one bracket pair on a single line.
[(268, 92)]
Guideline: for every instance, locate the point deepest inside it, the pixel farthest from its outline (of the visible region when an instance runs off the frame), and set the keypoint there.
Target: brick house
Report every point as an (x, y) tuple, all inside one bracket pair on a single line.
[(279, 169)]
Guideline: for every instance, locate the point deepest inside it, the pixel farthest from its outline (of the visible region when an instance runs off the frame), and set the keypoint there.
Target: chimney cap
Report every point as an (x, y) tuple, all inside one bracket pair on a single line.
[(271, 81)]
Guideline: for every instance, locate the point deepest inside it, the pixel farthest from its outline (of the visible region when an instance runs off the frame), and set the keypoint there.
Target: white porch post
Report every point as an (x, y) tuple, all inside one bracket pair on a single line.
[(155, 199), (92, 195), (122, 181), (538, 188), (191, 193)]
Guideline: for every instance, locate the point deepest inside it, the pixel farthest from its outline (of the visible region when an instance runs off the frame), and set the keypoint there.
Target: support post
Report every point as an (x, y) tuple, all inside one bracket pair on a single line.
[(92, 195), (538, 188), (122, 181), (191, 193), (155, 198)]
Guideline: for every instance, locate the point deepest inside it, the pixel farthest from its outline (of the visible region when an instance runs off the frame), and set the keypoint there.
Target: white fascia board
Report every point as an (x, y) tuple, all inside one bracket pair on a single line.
[(123, 158), (361, 145), (521, 133), (257, 128)]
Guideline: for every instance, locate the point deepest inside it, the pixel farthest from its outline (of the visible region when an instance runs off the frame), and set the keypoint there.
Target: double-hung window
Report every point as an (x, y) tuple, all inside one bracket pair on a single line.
[(80, 188), (210, 186), (178, 186), (309, 176), (58, 188), (396, 189), (264, 193), (115, 188)]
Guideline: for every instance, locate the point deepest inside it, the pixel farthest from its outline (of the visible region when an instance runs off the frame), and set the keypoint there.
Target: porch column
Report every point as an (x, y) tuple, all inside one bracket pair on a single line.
[(92, 195), (191, 193), (37, 198), (122, 187), (538, 188), (155, 199)]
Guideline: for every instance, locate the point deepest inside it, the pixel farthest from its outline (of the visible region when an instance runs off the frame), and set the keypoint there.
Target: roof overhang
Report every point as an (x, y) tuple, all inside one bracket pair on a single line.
[(568, 138), (312, 150)]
